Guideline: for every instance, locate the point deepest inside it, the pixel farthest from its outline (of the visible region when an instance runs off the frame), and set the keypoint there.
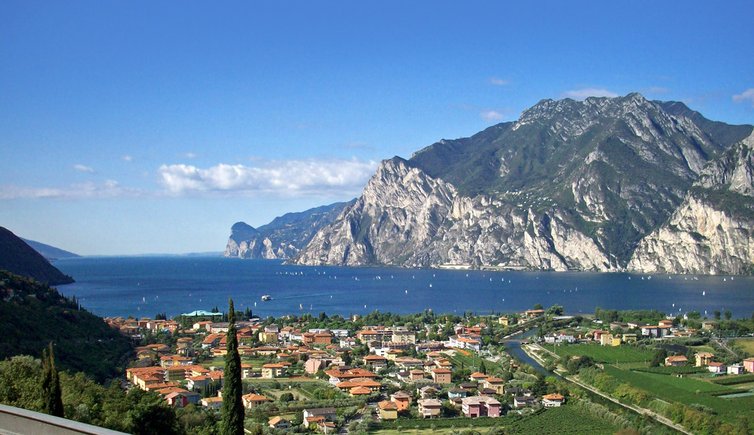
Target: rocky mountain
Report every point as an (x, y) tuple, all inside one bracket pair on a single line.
[(712, 232), (570, 185), (283, 237), (18, 257), (50, 252)]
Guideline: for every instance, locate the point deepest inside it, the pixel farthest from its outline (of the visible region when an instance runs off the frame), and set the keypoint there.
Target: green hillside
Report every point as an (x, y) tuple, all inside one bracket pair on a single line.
[(34, 314), (18, 257)]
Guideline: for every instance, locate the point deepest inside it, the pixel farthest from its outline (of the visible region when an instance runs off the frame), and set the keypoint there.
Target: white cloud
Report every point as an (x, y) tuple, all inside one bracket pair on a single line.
[(747, 95), (108, 189), (189, 155), (580, 94), (498, 81), (491, 115), (127, 158), (288, 177), (83, 168)]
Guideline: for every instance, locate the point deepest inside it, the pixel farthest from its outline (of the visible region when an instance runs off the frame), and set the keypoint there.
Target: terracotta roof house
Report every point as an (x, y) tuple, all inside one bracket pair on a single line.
[(552, 400), (703, 358), (278, 422), (442, 376), (749, 365), (387, 410), (251, 400), (676, 360), (716, 367), (401, 399), (477, 376), (212, 402)]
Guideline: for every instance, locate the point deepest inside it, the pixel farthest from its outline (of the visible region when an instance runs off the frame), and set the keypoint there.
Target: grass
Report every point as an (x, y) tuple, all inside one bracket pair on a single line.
[(605, 354), (737, 379), (745, 344), (688, 391)]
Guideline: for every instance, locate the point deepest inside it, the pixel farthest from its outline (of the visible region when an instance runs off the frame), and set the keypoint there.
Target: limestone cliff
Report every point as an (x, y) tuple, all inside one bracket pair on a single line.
[(711, 232), (569, 186)]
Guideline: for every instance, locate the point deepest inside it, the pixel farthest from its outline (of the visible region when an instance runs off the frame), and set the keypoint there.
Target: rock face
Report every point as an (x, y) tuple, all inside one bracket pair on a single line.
[(711, 232), (569, 186), (283, 237)]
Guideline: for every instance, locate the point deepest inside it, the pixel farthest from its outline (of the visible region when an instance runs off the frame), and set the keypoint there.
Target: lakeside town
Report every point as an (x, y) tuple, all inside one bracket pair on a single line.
[(603, 373)]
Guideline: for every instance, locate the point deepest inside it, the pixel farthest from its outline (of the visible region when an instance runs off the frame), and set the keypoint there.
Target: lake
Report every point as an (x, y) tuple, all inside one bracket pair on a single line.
[(145, 286)]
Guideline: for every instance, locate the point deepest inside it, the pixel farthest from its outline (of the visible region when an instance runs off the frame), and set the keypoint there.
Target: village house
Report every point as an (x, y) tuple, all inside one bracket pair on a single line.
[(278, 422), (375, 362), (340, 374), (212, 402), (735, 369), (175, 360), (716, 367), (387, 410), (480, 406), (273, 370), (506, 321), (709, 325), (676, 361), (179, 399), (403, 335), (749, 365), (401, 399), (326, 413), (533, 314), (552, 400), (477, 377), (370, 385), (464, 342), (314, 365), (442, 376), (703, 358), (429, 408), (629, 338), (524, 401), (495, 384), (251, 400)]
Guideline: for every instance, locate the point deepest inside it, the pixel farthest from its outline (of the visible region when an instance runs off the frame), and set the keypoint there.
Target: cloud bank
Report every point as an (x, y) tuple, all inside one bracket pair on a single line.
[(287, 178), (491, 115), (580, 94), (107, 189), (83, 168)]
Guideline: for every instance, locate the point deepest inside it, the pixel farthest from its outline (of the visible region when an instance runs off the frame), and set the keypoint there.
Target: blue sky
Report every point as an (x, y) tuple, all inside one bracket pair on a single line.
[(151, 127)]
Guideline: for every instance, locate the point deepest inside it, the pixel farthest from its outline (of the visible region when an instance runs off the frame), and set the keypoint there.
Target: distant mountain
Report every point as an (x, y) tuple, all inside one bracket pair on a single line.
[(16, 256), (570, 185), (284, 236), (33, 314), (50, 252)]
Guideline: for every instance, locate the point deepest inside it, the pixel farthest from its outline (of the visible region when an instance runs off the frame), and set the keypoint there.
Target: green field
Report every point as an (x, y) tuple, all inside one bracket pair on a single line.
[(688, 391), (747, 344), (562, 420), (604, 354)]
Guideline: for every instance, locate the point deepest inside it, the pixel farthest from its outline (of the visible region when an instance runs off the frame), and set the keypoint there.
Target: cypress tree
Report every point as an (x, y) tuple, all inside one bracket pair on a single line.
[(52, 396), (232, 414)]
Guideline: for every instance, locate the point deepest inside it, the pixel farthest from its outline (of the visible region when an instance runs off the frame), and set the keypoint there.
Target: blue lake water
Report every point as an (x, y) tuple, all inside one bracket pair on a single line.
[(145, 286)]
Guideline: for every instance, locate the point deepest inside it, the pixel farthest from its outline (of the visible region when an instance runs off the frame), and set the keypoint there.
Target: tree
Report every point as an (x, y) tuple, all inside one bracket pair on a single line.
[(232, 414), (727, 314), (482, 368), (52, 396), (658, 358), (716, 313)]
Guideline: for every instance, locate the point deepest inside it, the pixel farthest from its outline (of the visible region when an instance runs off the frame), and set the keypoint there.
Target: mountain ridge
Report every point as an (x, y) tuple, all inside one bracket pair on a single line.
[(570, 185), (18, 257)]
